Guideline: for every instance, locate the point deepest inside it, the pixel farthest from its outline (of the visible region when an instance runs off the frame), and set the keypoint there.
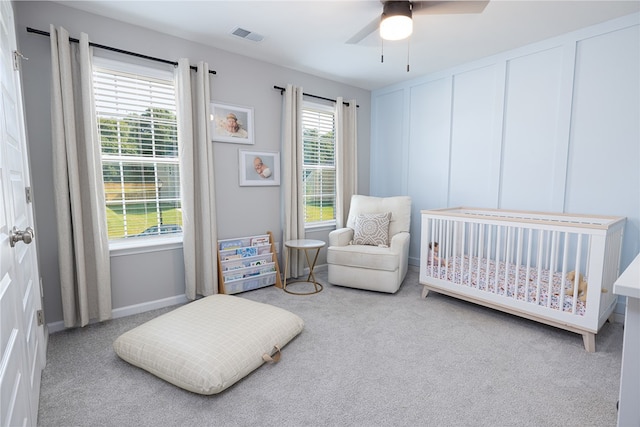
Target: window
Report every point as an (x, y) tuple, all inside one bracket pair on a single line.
[(319, 164), (136, 115)]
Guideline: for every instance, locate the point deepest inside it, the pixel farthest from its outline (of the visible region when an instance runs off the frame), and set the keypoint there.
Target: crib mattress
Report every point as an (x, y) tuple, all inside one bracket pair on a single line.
[(541, 287)]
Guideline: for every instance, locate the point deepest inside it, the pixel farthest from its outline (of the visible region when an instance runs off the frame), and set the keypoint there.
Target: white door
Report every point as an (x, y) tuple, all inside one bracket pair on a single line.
[(22, 340)]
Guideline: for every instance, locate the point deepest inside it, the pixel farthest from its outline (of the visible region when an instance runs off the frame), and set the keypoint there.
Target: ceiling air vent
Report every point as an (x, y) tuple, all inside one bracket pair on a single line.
[(246, 34)]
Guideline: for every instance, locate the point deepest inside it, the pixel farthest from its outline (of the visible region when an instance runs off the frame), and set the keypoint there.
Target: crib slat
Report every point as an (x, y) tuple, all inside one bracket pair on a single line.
[(439, 239), (463, 248), (528, 275), (470, 253), (480, 252), (507, 260), (434, 230), (552, 265), (447, 245), (432, 239), (541, 241), (489, 252), (576, 281), (547, 262), (518, 262), (455, 249), (497, 260), (565, 257)]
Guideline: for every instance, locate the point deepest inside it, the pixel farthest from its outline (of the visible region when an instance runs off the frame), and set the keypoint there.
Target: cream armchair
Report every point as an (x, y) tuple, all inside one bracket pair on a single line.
[(373, 266)]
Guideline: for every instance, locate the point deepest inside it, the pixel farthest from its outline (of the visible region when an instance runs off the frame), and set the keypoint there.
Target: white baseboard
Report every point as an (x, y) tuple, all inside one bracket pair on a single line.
[(618, 318), (147, 306), (129, 310), (317, 269)]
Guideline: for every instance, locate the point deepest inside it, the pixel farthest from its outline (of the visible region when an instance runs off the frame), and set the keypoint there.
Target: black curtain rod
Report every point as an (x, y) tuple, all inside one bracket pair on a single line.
[(115, 49), (282, 90)]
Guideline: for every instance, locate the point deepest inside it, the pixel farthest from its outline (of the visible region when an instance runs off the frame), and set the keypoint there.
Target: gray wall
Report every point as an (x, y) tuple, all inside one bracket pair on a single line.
[(151, 275), (548, 127)]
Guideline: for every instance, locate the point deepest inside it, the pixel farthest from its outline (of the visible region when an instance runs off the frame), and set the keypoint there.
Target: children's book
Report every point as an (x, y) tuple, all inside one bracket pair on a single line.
[(248, 251)]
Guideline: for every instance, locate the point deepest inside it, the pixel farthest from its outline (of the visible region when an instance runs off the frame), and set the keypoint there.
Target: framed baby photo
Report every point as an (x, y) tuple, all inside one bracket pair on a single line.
[(259, 168), (231, 123)]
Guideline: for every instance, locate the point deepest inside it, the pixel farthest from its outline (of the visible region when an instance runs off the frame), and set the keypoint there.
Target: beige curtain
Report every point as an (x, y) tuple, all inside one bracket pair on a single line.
[(197, 182), (346, 158), (292, 175), (83, 245)]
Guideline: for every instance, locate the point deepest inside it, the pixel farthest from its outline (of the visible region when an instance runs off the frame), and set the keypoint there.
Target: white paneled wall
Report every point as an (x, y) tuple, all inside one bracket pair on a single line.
[(531, 142), (605, 126), (476, 136), (553, 126), (390, 128), (429, 130)]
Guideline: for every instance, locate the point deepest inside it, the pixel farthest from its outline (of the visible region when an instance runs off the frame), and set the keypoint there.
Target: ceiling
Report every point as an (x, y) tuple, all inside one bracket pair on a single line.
[(311, 36)]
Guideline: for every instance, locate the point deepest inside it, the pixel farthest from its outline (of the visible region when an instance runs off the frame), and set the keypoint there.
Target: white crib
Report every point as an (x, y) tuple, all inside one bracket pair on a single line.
[(518, 262)]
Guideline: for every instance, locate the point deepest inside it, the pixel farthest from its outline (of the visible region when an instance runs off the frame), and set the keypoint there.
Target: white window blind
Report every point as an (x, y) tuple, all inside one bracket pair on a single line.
[(319, 165), (136, 115)]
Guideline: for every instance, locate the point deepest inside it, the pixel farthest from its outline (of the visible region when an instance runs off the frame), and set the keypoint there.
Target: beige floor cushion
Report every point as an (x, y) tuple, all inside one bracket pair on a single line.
[(209, 344)]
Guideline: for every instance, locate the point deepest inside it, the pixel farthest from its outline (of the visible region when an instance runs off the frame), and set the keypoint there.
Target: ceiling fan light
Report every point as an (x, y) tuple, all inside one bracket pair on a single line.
[(396, 27), (396, 23)]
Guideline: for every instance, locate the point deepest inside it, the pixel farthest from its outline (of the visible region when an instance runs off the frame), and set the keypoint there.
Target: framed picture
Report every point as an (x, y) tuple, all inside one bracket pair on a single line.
[(231, 123), (259, 168)]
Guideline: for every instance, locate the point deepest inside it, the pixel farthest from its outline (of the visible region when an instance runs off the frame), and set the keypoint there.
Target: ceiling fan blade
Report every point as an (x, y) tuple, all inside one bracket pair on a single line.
[(447, 7), (364, 32)]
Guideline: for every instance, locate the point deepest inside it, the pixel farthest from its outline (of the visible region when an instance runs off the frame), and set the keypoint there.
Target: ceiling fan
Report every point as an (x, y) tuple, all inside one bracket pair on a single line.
[(396, 20)]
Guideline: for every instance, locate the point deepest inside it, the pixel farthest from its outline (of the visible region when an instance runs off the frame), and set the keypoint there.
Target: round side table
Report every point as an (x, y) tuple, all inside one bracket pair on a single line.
[(306, 245)]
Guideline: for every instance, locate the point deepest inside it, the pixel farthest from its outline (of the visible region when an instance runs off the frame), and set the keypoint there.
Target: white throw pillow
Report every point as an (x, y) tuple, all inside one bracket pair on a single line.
[(372, 229), (209, 344)]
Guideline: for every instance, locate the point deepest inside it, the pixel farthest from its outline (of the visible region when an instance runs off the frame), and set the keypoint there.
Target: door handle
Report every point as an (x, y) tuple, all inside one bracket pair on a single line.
[(16, 235)]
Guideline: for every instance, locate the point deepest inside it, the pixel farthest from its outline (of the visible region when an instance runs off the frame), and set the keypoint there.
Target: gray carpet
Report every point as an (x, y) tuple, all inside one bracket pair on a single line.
[(363, 359)]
